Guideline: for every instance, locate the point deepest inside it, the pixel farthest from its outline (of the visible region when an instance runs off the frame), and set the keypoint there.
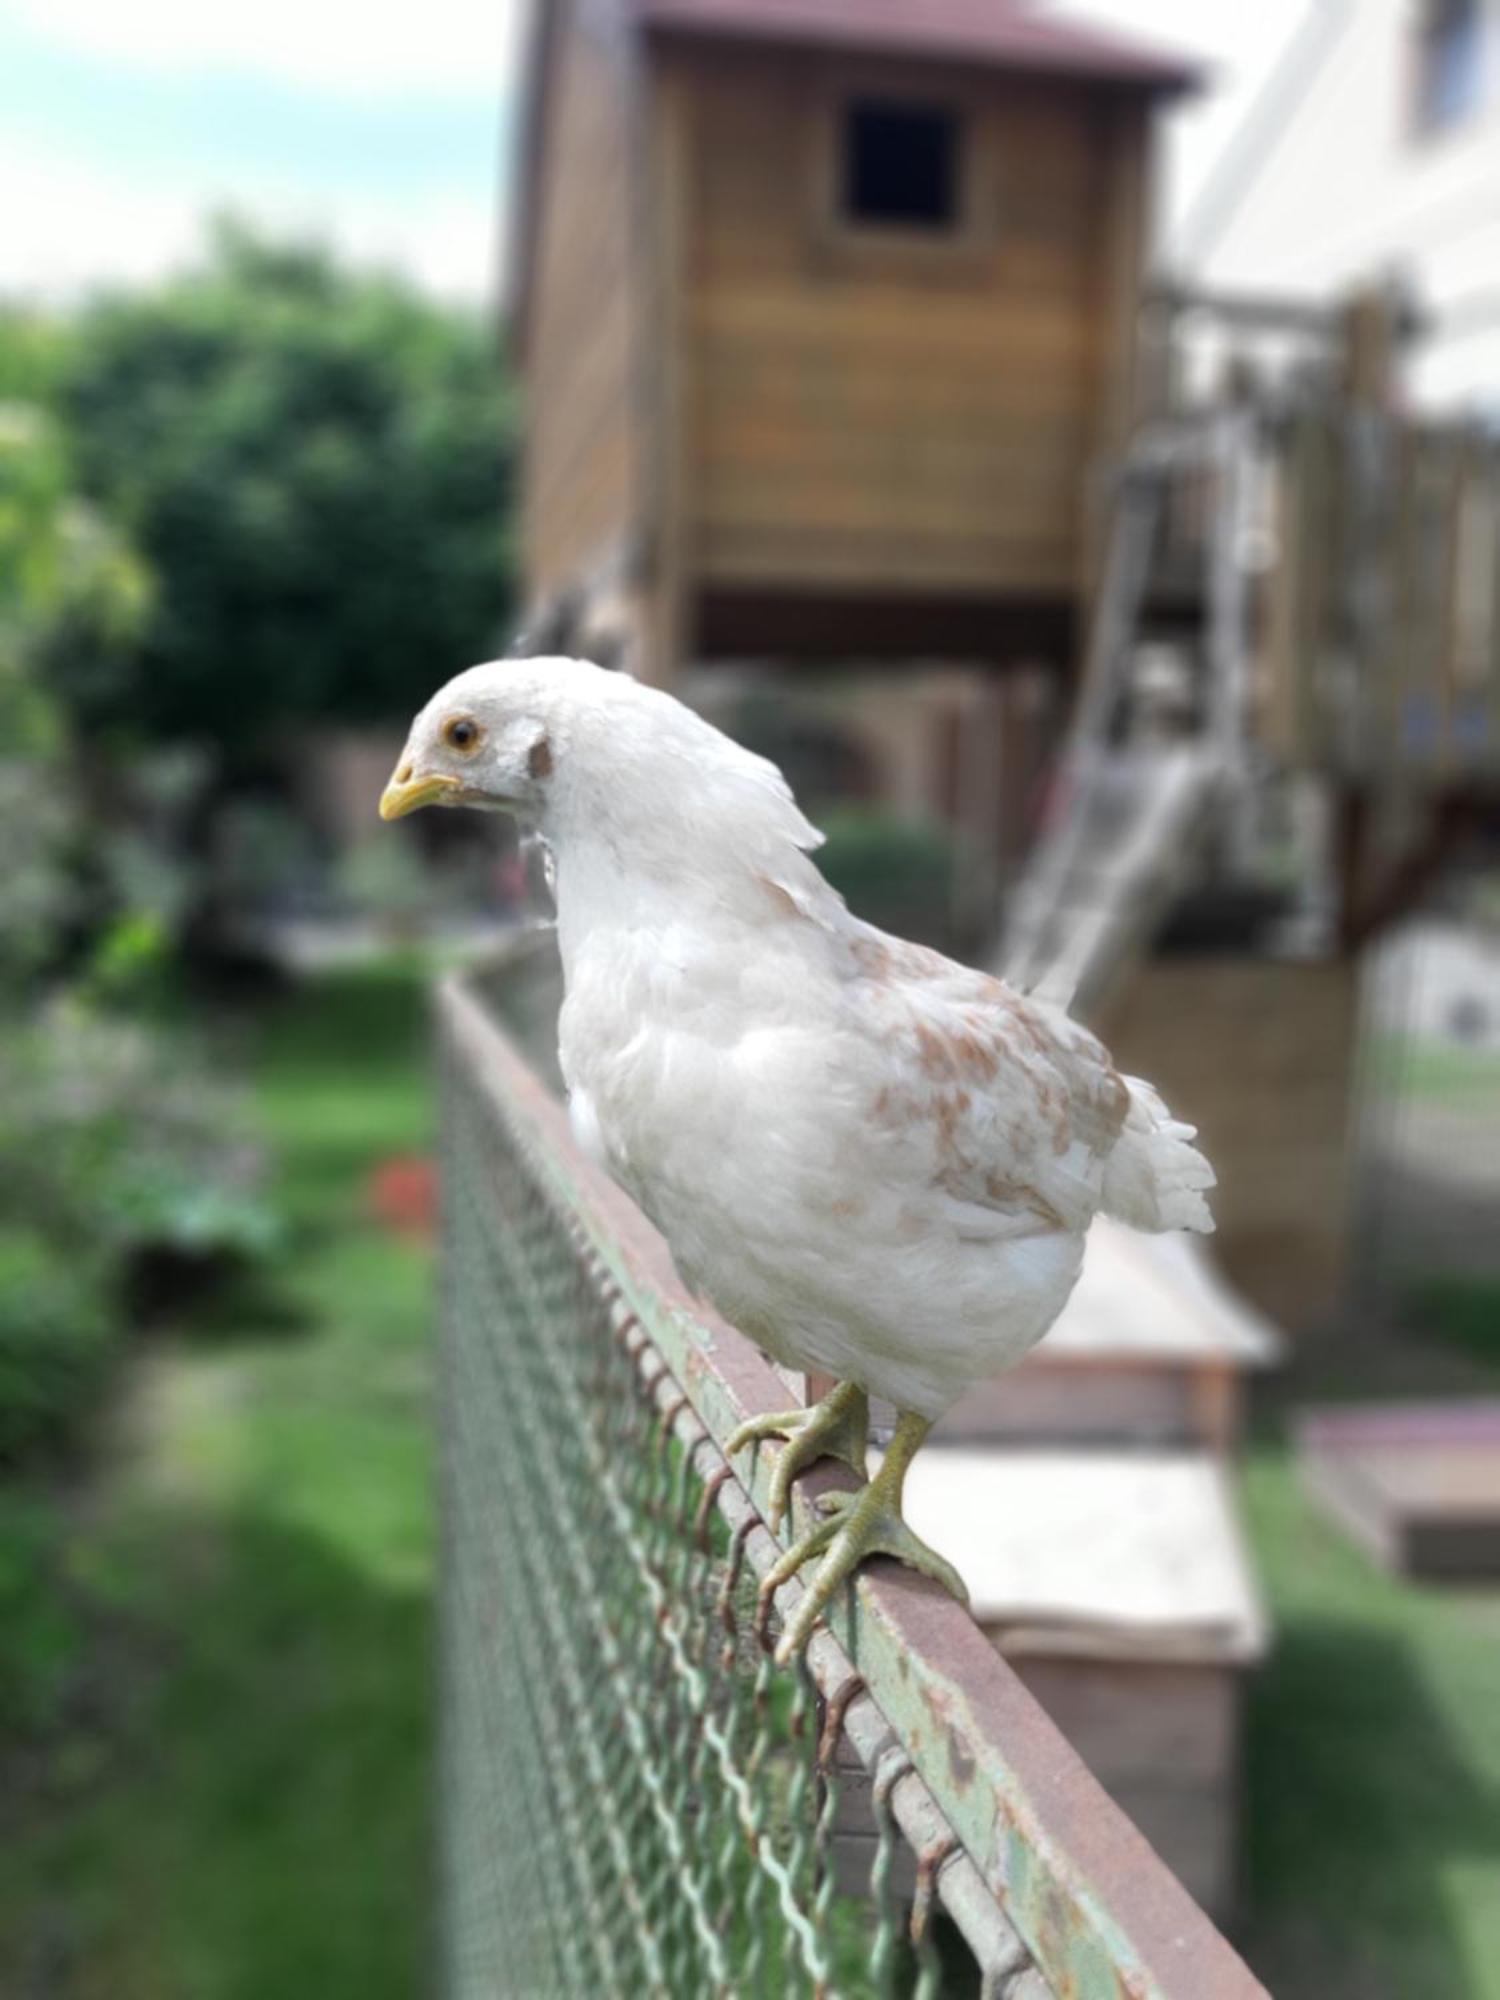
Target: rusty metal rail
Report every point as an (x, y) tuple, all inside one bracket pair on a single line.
[(634, 1800)]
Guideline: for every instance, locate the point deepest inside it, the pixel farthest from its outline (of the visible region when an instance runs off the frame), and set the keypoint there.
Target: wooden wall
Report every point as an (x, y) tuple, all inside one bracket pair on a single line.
[(581, 356), (1163, 1738), (914, 416), (1260, 1057), (1192, 1401)]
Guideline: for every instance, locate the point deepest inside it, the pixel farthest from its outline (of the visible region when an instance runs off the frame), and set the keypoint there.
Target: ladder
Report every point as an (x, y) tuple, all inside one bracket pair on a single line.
[(1130, 816)]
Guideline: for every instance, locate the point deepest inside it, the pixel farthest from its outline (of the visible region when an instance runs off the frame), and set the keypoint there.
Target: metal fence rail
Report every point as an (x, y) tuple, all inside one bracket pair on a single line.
[(634, 1800)]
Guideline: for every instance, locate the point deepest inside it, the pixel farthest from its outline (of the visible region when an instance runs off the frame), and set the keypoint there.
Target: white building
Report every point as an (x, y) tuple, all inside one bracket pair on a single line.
[(1372, 148)]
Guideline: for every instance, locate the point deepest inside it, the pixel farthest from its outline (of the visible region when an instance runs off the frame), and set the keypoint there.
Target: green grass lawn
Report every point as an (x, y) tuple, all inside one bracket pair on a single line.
[(1372, 1767), (228, 1792)]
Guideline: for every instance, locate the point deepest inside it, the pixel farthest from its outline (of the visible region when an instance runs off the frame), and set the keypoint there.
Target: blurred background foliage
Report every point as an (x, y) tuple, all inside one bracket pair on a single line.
[(315, 465), (899, 873), (243, 514), (255, 503)]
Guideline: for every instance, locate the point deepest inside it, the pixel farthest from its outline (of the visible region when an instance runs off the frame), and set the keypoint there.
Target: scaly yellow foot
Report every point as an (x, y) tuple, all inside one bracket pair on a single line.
[(837, 1427), (854, 1526)]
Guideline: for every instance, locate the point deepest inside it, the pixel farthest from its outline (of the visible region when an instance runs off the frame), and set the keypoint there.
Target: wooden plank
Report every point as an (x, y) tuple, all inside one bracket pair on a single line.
[(1275, 1122), (1016, 465), (1069, 1402), (1280, 715), (1132, 1724), (1120, 259), (1313, 726), (1459, 597), (1419, 668), (673, 112), (584, 439), (1388, 668), (901, 322), (1473, 587), (928, 490), (1228, 661), (817, 386), (889, 560)]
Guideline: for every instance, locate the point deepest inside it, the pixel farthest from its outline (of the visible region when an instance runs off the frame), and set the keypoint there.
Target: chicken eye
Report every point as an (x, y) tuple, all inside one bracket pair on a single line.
[(461, 733)]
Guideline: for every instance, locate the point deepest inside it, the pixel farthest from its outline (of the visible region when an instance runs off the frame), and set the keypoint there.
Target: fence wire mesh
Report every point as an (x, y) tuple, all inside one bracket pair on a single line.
[(635, 1801)]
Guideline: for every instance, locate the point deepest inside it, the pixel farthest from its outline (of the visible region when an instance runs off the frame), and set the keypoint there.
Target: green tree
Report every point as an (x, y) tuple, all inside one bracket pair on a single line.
[(66, 575), (317, 466), (70, 586)]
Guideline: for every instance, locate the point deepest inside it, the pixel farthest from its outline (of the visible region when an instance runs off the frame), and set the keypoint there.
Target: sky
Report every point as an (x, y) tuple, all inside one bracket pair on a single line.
[(386, 129)]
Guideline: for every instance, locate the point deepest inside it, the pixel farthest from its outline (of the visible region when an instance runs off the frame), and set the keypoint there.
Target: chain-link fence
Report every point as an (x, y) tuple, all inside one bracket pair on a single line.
[(635, 1801)]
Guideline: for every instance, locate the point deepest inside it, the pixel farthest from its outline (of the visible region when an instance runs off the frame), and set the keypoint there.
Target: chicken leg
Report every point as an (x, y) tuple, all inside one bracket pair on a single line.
[(854, 1526)]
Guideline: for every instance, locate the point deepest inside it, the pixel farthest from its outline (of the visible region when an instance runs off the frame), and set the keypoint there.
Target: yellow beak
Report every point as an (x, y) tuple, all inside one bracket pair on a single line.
[(404, 794)]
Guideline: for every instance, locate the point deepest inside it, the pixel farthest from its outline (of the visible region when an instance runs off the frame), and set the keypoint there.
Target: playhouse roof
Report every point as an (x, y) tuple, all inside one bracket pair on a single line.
[(1001, 34), (1156, 1299), (1114, 1553)]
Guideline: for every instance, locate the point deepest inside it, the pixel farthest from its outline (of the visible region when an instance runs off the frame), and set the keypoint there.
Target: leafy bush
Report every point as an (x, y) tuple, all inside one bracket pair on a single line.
[(55, 1341), (894, 872), (125, 1165), (115, 1140)]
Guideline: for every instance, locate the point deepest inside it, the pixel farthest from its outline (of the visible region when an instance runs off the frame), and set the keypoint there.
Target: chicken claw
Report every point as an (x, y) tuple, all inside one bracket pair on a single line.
[(836, 1427)]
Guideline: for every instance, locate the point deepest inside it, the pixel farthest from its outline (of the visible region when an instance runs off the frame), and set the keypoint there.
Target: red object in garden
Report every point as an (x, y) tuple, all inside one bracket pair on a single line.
[(402, 1194)]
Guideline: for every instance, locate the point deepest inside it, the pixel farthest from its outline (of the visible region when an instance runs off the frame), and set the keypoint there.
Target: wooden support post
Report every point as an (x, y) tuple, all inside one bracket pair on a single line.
[(1371, 327), (668, 627)]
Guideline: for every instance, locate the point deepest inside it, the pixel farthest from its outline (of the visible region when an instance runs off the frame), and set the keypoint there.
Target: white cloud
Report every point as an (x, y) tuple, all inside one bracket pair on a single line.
[(462, 48), (71, 224)]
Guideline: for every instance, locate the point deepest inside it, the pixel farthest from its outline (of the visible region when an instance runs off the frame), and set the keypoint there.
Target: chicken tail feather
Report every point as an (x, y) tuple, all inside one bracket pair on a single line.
[(1155, 1178)]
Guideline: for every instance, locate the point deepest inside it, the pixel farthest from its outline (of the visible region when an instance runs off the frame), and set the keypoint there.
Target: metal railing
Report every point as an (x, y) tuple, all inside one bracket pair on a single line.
[(634, 1801)]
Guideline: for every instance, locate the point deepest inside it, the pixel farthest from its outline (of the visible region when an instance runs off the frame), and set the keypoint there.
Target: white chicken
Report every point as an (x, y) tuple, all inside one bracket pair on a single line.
[(878, 1163)]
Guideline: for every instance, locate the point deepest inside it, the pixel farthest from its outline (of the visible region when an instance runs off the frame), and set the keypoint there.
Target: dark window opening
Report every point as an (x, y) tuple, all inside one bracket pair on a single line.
[(900, 165), (1451, 63)]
